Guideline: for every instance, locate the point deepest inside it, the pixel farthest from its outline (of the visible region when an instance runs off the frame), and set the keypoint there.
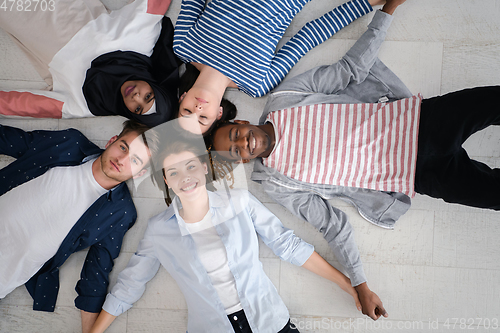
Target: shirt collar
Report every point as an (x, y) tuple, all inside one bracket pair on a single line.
[(215, 202)]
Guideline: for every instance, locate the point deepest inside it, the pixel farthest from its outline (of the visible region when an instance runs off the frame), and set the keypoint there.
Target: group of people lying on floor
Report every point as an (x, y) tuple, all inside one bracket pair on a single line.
[(350, 130)]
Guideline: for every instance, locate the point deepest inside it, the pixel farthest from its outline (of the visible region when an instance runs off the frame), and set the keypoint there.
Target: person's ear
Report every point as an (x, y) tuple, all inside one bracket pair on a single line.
[(181, 97), (140, 174), (241, 122), (113, 139), (165, 179), (219, 114), (205, 167)]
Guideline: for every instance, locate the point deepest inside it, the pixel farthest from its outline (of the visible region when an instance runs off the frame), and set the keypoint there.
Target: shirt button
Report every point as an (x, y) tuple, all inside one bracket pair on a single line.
[(235, 318)]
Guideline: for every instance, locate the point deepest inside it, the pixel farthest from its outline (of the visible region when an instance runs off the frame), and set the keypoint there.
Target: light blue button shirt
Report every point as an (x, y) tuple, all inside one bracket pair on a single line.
[(238, 218)]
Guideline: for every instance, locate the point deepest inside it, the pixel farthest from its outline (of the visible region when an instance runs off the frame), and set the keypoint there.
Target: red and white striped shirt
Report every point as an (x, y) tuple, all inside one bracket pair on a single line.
[(370, 146)]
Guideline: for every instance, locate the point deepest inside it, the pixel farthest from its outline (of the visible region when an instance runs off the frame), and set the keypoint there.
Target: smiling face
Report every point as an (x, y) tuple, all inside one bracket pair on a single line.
[(204, 105), (184, 173), (124, 157), (138, 96), (242, 142)]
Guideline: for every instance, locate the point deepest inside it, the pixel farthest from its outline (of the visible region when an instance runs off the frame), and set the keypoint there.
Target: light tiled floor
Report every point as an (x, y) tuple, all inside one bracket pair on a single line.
[(438, 271)]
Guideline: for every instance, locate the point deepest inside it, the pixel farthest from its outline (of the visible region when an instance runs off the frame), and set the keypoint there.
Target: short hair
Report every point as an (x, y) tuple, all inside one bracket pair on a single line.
[(209, 140), (133, 126)]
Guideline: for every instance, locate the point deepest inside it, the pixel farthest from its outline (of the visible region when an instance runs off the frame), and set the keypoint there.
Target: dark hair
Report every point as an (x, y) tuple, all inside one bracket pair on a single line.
[(141, 129), (171, 148), (133, 126), (209, 139), (187, 81)]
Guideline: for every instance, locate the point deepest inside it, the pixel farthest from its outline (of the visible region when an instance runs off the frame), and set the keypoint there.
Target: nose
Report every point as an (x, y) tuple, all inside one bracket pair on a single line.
[(243, 142), (122, 159), (136, 96)]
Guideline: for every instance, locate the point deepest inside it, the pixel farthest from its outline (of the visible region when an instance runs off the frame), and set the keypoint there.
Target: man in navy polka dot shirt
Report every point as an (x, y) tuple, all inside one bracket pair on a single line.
[(63, 194)]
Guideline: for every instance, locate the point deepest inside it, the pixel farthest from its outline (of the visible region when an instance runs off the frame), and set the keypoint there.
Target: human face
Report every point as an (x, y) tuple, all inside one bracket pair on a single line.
[(138, 96), (203, 104), (124, 157), (242, 141), (185, 174)]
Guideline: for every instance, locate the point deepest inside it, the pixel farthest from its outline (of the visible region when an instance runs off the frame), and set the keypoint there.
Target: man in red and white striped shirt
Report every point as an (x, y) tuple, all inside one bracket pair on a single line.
[(353, 130)]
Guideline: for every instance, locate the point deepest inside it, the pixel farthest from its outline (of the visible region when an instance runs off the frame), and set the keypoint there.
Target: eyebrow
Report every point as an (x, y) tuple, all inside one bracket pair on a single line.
[(173, 168), (230, 150), (128, 148), (125, 143), (140, 160)]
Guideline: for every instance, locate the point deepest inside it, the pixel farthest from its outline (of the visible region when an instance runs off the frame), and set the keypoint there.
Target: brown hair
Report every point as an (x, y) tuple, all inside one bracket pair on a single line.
[(171, 148)]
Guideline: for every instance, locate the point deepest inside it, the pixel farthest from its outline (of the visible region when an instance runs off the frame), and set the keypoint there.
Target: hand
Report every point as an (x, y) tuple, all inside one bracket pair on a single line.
[(370, 302), (391, 5)]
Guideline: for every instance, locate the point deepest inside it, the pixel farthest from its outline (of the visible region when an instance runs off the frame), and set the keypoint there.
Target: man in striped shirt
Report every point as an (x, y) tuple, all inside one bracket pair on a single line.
[(352, 130)]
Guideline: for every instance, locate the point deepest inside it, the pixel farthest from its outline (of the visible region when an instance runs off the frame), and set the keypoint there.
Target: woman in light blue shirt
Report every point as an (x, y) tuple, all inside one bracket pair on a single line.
[(208, 243)]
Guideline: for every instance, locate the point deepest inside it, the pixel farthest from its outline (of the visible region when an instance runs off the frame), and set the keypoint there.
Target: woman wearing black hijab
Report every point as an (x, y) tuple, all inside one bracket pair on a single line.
[(115, 80), (138, 82)]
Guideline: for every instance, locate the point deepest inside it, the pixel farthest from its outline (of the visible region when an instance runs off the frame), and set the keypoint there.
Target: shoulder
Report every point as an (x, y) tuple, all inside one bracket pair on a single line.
[(161, 219)]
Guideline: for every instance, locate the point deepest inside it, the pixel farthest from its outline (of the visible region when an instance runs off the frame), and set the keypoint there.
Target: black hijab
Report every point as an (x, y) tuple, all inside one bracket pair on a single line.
[(109, 71)]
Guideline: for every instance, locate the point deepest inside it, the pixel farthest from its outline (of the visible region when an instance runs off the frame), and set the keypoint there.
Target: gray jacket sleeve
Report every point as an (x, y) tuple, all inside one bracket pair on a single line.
[(330, 221), (354, 67)]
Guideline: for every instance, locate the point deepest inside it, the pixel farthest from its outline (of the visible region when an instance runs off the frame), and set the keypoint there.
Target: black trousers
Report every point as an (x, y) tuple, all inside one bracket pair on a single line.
[(444, 169), (240, 324)]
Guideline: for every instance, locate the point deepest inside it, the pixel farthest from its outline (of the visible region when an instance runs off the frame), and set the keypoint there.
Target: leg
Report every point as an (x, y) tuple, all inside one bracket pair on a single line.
[(458, 179), (444, 169), (447, 121), (43, 31)]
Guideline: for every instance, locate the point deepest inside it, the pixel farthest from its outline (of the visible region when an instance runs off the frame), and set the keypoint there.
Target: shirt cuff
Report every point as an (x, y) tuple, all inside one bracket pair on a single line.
[(357, 275), (302, 253), (381, 20), (114, 306)]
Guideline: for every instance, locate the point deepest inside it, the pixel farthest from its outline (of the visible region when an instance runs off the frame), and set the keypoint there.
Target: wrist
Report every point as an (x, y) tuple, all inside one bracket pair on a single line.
[(362, 288), (389, 8)]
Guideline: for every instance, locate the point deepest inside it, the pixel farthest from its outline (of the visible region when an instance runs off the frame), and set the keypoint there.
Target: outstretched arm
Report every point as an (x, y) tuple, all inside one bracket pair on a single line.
[(355, 66), (102, 323), (321, 267), (310, 36)]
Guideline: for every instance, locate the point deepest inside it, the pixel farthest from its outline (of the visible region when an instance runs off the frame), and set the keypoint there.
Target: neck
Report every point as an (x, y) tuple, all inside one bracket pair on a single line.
[(212, 80), (268, 128), (195, 210), (100, 177)]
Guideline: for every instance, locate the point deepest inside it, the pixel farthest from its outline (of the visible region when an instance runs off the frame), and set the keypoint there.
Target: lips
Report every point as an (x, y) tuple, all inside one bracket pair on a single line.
[(252, 143), (189, 187), (129, 90), (201, 100), (115, 166)]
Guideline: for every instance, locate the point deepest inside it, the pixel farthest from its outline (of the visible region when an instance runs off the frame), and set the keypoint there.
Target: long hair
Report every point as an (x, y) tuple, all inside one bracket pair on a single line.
[(187, 81), (172, 148)]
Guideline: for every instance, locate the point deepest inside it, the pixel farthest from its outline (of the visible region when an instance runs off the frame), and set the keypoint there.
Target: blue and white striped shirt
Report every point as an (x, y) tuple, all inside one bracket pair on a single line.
[(239, 38)]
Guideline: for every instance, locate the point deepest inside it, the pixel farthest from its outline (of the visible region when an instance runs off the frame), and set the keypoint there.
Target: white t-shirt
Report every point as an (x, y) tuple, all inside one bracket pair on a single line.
[(213, 256), (37, 216)]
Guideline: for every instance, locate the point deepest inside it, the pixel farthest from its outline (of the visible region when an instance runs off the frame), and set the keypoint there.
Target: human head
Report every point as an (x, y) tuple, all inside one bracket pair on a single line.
[(181, 163), (138, 96), (126, 155), (194, 101), (240, 141)]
